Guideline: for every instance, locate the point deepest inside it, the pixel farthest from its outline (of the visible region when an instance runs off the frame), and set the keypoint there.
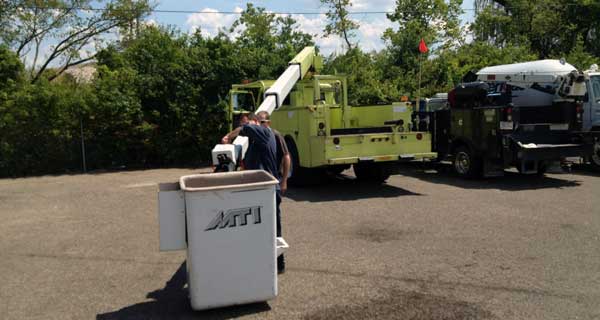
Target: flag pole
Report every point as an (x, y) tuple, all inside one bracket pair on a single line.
[(422, 50), (419, 86)]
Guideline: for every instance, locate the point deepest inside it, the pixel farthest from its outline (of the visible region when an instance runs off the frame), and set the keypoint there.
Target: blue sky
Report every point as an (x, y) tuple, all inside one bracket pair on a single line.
[(368, 36)]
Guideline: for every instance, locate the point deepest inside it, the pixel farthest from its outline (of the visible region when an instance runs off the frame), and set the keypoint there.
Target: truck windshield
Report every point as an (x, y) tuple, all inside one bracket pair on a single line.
[(595, 84), (243, 101)]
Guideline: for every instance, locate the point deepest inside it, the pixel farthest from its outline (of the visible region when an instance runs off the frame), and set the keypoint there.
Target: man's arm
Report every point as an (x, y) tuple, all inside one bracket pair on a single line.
[(285, 162), (228, 138)]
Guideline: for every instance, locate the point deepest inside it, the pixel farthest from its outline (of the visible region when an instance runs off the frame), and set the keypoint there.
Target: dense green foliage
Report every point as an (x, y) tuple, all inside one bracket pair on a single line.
[(549, 28), (158, 95)]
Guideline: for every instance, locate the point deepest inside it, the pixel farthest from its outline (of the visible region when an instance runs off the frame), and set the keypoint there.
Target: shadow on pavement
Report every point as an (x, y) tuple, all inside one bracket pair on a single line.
[(344, 188), (511, 181), (171, 302)]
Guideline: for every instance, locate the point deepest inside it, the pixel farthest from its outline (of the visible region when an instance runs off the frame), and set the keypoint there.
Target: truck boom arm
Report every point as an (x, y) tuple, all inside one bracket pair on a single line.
[(296, 70)]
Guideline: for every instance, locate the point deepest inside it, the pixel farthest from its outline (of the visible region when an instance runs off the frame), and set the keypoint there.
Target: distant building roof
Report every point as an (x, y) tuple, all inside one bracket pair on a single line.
[(83, 73)]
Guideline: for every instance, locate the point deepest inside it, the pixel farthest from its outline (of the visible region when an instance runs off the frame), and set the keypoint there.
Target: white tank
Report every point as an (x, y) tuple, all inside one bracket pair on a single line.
[(544, 69), (533, 83)]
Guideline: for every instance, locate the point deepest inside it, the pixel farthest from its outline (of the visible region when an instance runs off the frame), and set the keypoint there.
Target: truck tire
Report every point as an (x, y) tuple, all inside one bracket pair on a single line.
[(371, 172), (465, 163), (301, 176)]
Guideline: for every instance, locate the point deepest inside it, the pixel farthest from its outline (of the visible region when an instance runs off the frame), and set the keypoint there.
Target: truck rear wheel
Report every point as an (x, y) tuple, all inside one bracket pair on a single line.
[(371, 172), (466, 164)]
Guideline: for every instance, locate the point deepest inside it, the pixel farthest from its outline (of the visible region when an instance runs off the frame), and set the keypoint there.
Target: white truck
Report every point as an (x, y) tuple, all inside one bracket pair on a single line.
[(538, 85), (591, 107)]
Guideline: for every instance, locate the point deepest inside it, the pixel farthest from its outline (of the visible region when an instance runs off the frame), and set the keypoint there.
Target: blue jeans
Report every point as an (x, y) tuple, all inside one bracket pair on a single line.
[(278, 212), (280, 259)]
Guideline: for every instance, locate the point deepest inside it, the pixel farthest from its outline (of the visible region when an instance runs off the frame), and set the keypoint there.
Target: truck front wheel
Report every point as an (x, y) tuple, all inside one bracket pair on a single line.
[(371, 172), (301, 176), (465, 163)]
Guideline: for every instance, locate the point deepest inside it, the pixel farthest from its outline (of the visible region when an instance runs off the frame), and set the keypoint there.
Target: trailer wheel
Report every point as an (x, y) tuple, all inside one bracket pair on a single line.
[(300, 176), (371, 172), (465, 163)]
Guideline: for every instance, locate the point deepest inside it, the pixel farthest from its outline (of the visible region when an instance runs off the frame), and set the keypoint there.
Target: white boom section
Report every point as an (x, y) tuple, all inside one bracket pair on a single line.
[(297, 69), (275, 95), (225, 156)]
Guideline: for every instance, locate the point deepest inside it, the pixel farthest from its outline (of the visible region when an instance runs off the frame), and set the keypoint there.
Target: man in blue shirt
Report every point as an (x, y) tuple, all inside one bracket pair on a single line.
[(284, 162), (262, 154), (262, 148)]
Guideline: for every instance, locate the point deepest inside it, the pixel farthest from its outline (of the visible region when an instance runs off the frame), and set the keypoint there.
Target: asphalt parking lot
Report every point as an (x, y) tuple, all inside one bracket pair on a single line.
[(426, 245)]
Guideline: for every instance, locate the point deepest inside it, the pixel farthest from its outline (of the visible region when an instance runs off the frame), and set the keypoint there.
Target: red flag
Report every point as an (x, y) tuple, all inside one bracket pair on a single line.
[(423, 46)]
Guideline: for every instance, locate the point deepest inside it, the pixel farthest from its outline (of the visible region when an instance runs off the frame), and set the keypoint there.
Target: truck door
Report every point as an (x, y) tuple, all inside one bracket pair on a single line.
[(458, 115), (465, 114)]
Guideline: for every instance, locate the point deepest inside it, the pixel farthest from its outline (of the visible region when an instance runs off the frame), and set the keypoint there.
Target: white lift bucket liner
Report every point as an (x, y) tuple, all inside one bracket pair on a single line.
[(231, 242)]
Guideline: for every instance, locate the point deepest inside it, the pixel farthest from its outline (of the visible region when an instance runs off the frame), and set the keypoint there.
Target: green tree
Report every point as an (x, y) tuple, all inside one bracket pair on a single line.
[(267, 42), (70, 26), (435, 21), (11, 69), (339, 22), (580, 57), (39, 130), (365, 82), (549, 27)]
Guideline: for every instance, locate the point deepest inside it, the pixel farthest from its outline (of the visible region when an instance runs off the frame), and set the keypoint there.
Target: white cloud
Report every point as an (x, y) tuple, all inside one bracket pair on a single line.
[(210, 22), (373, 5), (467, 33), (151, 22), (315, 26), (368, 35)]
